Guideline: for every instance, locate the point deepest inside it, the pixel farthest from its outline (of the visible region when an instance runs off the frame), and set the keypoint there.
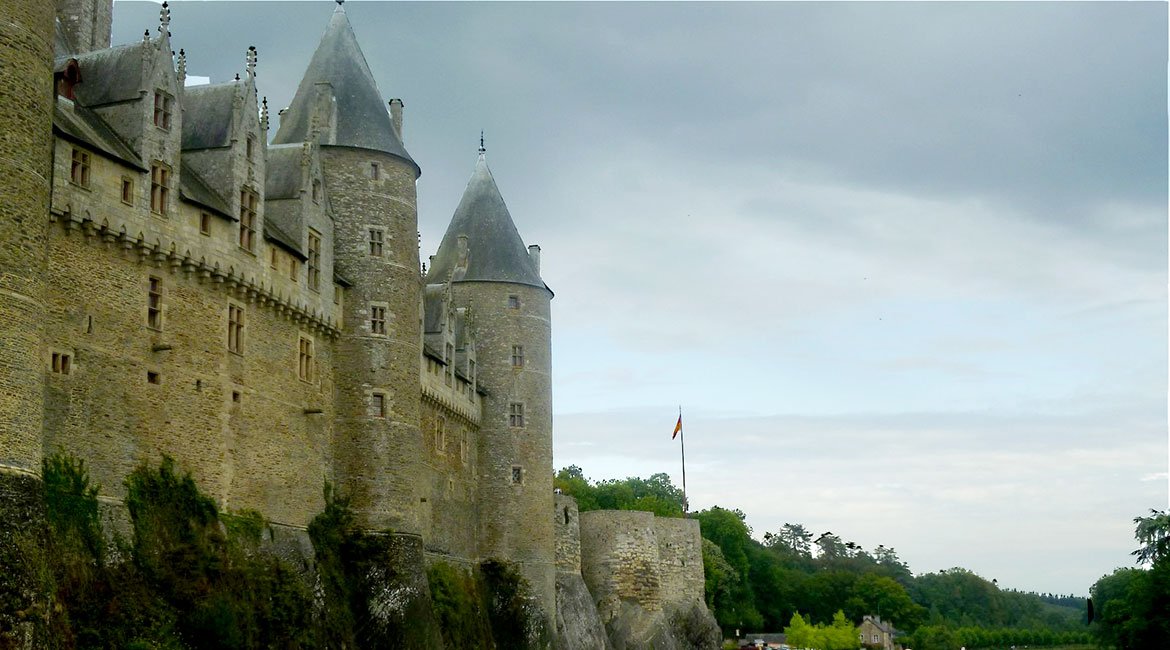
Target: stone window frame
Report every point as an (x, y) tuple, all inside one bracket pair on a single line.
[(79, 167), (236, 327), (464, 447), (516, 415), (61, 363), (250, 148), (153, 377), (517, 475), (313, 264), (249, 219), (305, 358), (379, 319), (164, 105), (205, 224), (375, 171), (513, 301), (127, 190), (294, 270), (154, 303), (376, 408), (517, 356), (273, 257), (441, 436), (160, 188), (375, 241)]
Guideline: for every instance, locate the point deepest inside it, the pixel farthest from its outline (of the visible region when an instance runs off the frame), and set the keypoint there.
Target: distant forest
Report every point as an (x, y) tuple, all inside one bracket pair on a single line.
[(760, 586)]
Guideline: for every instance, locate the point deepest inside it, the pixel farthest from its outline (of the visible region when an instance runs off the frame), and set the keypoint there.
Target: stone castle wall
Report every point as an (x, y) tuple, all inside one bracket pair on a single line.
[(619, 560), (680, 559)]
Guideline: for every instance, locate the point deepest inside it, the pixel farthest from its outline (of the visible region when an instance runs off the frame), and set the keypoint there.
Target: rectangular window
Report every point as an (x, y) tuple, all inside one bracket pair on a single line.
[(294, 268), (154, 304), (162, 109), (160, 182), (517, 356), (305, 359), (377, 320), (79, 171), (377, 405), (204, 224), (248, 200), (153, 377), (236, 329), (513, 302), (515, 414), (463, 447), (337, 294), (517, 475), (62, 363), (374, 171), (250, 147), (314, 261), (441, 437), (127, 190), (376, 242), (273, 257), (471, 371)]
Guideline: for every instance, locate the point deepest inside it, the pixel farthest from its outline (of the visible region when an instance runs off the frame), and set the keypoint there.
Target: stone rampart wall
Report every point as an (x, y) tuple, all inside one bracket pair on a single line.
[(567, 530), (680, 559)]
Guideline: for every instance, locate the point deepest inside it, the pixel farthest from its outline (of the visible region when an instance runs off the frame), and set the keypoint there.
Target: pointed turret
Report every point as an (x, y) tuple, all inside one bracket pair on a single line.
[(494, 251), (362, 119), (493, 274)]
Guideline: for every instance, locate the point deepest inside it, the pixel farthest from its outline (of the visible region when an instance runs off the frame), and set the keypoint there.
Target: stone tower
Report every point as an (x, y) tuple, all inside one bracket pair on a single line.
[(498, 279), (86, 23), (369, 179), (26, 111)]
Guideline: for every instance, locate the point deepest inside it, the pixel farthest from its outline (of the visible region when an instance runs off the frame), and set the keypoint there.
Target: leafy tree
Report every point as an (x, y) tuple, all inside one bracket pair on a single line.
[(1153, 533)]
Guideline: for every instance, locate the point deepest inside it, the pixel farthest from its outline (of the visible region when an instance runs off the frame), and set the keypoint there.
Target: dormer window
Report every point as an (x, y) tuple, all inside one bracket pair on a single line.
[(79, 171), (248, 201), (163, 105), (160, 184)]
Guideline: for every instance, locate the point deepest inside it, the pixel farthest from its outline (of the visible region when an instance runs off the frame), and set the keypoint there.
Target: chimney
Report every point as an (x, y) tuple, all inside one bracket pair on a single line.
[(396, 117), (534, 255)]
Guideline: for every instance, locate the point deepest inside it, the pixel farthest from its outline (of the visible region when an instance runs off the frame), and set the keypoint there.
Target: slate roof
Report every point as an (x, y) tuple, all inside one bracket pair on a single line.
[(82, 125), (193, 188), (207, 115), (63, 48), (362, 117), (111, 75), (283, 172), (274, 233), (495, 251)]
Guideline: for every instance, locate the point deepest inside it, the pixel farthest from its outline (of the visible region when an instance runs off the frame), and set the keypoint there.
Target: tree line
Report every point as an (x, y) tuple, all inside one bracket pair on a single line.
[(793, 574)]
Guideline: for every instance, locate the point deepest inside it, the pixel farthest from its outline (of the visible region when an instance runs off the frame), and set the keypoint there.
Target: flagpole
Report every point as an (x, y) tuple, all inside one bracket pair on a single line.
[(682, 444)]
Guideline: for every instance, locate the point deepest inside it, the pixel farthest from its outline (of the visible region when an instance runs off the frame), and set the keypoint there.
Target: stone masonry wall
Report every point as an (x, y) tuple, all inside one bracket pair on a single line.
[(567, 525), (619, 560), (513, 516), (448, 459), (378, 455), (26, 104), (680, 559)]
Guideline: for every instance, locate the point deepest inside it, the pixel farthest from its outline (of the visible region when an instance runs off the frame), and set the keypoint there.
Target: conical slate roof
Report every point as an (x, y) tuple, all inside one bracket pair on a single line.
[(495, 252), (362, 117)]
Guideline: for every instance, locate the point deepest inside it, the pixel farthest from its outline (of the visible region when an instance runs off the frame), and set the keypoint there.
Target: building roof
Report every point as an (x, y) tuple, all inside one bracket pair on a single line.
[(274, 233), (113, 74), (362, 119), (495, 251), (283, 172), (193, 188), (207, 115), (86, 127)]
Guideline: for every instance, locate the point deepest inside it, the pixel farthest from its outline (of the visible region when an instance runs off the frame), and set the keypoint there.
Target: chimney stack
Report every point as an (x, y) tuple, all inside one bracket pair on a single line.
[(396, 117), (534, 255)]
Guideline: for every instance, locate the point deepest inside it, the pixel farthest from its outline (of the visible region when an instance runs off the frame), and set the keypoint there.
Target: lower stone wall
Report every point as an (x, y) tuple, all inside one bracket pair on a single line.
[(645, 575)]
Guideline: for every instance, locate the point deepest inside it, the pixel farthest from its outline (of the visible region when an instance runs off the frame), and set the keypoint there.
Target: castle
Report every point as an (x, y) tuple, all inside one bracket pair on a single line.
[(175, 281)]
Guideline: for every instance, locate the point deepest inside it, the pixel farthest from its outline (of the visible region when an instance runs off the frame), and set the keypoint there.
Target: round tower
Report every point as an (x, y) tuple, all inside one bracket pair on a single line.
[(370, 184), (26, 111), (494, 275)]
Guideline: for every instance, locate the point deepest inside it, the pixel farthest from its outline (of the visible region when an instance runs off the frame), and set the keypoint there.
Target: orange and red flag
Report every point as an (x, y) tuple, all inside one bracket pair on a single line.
[(677, 427)]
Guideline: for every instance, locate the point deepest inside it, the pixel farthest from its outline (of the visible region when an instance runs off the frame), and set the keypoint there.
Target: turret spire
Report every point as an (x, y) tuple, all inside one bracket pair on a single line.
[(164, 18), (250, 61), (481, 149)]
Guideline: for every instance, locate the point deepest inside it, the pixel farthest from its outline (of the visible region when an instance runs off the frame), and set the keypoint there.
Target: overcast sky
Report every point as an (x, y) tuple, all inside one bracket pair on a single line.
[(904, 266)]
